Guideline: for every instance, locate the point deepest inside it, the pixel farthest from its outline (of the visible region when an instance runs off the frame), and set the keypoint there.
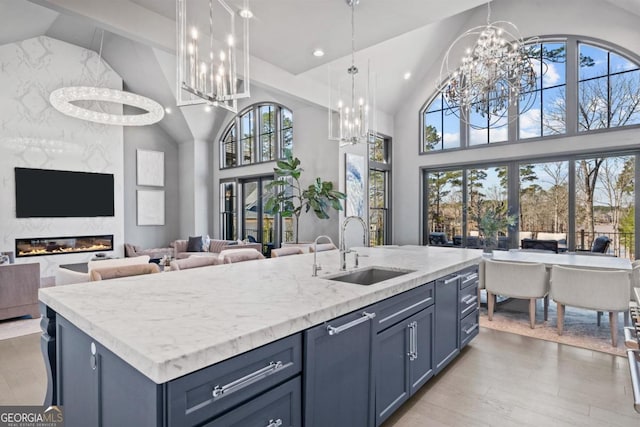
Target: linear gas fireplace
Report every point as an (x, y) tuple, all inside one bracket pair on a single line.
[(63, 245)]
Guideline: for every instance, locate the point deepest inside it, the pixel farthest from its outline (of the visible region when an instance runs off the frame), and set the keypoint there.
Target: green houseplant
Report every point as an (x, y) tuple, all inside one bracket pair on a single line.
[(290, 199), (494, 219)]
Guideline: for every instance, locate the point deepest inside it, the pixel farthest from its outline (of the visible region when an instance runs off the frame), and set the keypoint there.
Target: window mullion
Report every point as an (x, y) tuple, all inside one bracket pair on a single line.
[(571, 91)]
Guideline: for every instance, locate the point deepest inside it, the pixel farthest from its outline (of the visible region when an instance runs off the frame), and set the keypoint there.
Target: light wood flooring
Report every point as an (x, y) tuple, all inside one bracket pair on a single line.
[(500, 379)]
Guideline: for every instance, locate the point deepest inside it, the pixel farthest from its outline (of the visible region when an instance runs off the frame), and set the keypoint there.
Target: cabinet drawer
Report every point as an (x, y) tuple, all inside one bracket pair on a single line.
[(468, 300), (469, 327), (401, 306), (469, 277), (201, 395), (280, 407)]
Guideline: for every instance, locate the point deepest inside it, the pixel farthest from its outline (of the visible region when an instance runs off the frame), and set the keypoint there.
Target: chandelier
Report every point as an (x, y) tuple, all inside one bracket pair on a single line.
[(62, 99), (352, 105), (213, 53), (498, 70)]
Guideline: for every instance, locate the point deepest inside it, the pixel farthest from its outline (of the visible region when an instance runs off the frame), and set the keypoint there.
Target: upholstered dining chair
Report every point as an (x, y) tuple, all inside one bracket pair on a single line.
[(322, 247), (517, 280), (592, 290), (286, 251), (230, 256), (123, 271)]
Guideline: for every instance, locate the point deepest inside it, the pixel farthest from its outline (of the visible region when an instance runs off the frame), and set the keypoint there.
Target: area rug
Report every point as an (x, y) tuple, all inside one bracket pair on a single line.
[(580, 327)]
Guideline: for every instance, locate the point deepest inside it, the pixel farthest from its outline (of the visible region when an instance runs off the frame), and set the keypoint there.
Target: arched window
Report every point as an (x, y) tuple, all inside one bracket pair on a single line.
[(600, 90), (259, 133)]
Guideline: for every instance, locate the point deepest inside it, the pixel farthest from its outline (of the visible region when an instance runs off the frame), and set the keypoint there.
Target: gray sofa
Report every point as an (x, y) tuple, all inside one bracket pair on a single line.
[(131, 251), (215, 247), (19, 284)]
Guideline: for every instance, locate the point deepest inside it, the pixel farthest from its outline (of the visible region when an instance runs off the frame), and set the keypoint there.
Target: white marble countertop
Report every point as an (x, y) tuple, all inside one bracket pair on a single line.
[(566, 259), (170, 324)]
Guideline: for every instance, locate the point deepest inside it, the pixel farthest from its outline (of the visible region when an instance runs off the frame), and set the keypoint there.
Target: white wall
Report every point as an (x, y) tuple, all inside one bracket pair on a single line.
[(150, 138), (34, 135), (579, 17)]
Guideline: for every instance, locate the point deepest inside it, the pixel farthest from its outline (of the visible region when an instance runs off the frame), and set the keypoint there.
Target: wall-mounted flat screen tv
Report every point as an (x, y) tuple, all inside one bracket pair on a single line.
[(44, 193)]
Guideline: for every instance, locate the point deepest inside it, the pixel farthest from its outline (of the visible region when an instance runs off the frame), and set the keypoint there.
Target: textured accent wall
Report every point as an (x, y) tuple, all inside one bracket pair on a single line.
[(33, 134)]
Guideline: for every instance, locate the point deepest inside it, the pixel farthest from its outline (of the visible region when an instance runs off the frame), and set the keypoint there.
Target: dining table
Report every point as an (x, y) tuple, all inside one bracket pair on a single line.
[(565, 259)]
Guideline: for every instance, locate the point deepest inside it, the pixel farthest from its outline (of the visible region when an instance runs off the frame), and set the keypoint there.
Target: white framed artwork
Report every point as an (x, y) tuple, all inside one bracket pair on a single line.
[(150, 207), (354, 178), (150, 167)]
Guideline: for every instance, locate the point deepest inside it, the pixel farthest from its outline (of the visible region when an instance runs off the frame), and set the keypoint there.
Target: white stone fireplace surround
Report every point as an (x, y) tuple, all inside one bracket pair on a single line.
[(34, 135)]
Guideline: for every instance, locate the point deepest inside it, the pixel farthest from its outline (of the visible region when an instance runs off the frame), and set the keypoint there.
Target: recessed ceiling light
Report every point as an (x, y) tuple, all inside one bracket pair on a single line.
[(167, 110), (207, 108), (318, 53), (407, 75), (245, 13)]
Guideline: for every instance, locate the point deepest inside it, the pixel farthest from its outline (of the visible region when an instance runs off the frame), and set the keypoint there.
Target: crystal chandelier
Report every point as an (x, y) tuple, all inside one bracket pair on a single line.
[(63, 99), (213, 53), (352, 105), (497, 71)]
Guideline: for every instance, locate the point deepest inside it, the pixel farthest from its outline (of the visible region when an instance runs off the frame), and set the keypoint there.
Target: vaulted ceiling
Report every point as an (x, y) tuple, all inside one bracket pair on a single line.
[(396, 36)]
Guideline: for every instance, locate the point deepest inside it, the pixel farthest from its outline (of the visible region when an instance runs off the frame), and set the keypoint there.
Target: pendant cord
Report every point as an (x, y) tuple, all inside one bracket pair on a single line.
[(99, 57), (489, 13)]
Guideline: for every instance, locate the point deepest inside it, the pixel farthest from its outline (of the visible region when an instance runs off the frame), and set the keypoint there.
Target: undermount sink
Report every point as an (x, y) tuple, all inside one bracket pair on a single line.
[(369, 275)]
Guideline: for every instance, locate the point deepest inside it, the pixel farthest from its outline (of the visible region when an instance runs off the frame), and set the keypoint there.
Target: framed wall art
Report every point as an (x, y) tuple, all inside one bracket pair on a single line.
[(354, 184), (150, 207), (150, 168)]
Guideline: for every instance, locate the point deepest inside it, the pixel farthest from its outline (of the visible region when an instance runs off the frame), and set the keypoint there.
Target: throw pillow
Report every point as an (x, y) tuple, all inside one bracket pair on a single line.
[(194, 244)]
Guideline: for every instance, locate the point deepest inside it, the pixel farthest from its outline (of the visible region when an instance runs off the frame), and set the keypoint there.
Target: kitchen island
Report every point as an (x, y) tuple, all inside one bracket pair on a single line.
[(188, 347)]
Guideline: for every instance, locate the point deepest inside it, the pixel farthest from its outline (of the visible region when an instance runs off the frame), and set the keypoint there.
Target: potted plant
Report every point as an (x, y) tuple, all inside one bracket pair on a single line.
[(290, 199), (494, 219)]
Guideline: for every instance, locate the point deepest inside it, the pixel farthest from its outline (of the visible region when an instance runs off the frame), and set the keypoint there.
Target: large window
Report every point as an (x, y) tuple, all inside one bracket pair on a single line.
[(596, 200), (608, 89), (545, 106), (605, 93), (260, 133), (604, 201), (379, 182), (228, 215), (544, 198)]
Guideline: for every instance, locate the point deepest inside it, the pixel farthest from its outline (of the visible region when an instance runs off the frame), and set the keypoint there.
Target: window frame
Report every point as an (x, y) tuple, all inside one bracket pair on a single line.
[(572, 43), (256, 136)]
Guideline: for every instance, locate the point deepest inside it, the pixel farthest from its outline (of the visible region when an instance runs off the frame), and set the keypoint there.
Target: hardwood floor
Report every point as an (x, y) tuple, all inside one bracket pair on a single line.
[(500, 379), (503, 379), (23, 379)]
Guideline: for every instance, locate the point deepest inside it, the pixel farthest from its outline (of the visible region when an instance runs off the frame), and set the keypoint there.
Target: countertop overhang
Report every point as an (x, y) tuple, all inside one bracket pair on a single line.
[(167, 325)]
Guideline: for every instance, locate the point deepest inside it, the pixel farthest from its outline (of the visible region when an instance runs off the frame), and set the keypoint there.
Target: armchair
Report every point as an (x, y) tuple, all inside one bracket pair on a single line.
[(592, 290), (517, 280)]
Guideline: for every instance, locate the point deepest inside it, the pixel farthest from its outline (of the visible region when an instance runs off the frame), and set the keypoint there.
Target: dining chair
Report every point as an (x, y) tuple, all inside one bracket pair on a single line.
[(517, 280), (322, 247), (592, 290), (286, 251)]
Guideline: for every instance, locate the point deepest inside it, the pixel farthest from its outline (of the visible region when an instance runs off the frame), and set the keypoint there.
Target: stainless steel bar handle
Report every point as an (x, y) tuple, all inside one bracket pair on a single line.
[(471, 329), (415, 340), (453, 279), (634, 368), (411, 337), (469, 299), (470, 277), (276, 423), (271, 368), (334, 330)]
